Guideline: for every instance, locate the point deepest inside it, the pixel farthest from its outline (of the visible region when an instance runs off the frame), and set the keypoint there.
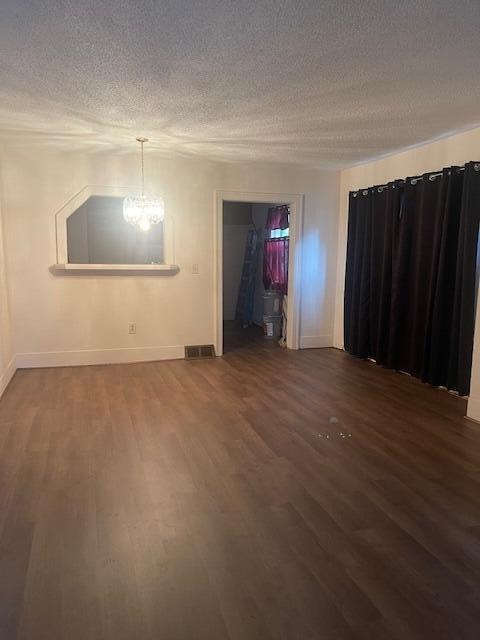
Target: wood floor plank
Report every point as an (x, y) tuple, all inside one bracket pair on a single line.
[(265, 495)]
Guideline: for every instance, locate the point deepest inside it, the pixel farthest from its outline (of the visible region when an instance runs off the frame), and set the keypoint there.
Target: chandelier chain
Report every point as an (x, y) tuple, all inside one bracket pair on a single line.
[(143, 211), (143, 176)]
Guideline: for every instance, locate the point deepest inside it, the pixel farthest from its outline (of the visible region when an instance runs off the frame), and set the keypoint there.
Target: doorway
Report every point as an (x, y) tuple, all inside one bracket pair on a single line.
[(241, 221)]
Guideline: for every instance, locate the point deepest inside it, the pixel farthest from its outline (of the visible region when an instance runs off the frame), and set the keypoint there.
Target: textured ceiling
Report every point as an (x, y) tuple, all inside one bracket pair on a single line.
[(320, 83)]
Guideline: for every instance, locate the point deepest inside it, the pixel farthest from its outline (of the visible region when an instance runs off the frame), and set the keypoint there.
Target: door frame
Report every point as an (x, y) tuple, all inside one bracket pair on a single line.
[(295, 202)]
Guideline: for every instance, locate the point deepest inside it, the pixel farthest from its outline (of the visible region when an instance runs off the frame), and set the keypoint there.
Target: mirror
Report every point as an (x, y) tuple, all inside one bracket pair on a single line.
[(98, 234)]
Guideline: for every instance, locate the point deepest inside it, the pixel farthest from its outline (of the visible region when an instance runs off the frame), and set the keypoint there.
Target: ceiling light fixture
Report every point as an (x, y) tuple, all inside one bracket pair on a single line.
[(143, 211)]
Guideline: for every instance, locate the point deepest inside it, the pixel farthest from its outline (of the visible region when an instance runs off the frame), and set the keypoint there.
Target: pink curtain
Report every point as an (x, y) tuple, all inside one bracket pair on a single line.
[(275, 264), (277, 217)]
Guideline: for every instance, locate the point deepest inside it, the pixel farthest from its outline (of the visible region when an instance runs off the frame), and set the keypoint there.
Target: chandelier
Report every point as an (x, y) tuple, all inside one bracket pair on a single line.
[(143, 211)]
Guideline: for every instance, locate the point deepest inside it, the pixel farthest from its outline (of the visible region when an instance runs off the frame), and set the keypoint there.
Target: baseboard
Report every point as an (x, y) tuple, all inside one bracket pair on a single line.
[(316, 342), (473, 409), (98, 356), (7, 376)]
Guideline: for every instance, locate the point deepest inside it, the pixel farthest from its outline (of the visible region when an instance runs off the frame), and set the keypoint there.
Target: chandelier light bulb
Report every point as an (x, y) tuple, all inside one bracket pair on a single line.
[(144, 224)]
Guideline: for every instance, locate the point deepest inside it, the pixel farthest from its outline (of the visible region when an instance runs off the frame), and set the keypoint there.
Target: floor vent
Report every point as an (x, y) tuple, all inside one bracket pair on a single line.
[(199, 351)]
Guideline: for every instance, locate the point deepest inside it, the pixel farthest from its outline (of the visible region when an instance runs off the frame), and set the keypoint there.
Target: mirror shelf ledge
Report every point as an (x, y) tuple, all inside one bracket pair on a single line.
[(70, 268)]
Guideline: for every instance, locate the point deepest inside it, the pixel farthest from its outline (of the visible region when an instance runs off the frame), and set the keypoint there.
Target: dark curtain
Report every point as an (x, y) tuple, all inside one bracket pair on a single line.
[(410, 284)]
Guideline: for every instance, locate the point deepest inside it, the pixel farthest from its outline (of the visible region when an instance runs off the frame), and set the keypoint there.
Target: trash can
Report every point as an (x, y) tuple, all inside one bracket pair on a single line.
[(272, 327), (272, 303)]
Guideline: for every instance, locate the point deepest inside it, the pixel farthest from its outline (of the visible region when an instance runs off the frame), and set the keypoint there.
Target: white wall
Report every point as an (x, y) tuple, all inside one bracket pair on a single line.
[(69, 320), (456, 149), (7, 365)]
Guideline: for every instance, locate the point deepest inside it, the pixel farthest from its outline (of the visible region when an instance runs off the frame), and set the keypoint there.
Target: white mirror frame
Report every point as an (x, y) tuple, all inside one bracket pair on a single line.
[(118, 192)]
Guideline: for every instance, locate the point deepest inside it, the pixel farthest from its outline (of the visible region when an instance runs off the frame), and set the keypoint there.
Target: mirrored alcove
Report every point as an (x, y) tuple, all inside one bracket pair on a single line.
[(98, 234), (94, 237)]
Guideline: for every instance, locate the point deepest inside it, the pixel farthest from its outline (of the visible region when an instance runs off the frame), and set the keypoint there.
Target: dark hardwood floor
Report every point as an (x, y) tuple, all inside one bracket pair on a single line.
[(265, 495), (236, 338)]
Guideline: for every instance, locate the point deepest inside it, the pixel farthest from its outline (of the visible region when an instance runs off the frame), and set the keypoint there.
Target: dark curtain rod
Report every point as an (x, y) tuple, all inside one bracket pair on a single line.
[(413, 181)]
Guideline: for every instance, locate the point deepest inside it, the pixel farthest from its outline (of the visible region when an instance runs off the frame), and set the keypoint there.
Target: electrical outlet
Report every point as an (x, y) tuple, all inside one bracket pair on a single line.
[(132, 328), (195, 268)]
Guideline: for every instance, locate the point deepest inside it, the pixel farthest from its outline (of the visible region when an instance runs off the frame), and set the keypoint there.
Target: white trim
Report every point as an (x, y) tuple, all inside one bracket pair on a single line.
[(474, 420), (98, 356), (473, 409), (295, 201), (316, 342), (7, 376), (116, 269), (82, 196)]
